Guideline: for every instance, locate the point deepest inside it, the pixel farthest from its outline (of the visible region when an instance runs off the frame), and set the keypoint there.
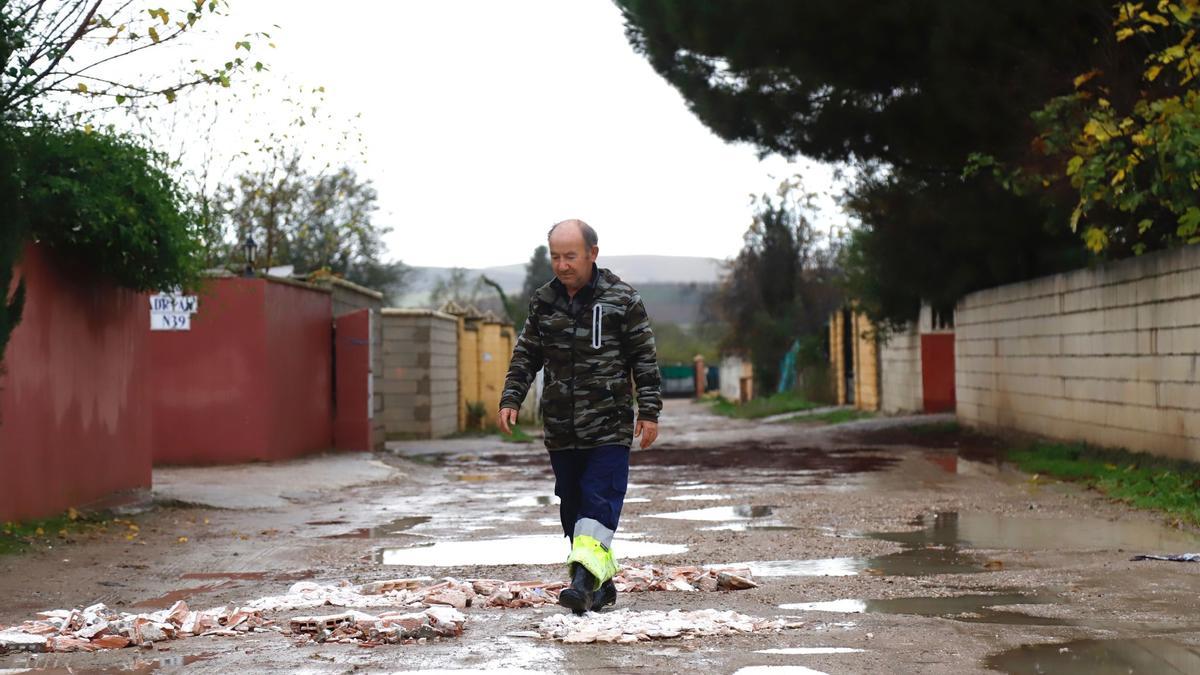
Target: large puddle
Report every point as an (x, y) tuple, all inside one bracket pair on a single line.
[(995, 531), (1099, 657), (388, 529), (941, 546), (719, 513), (969, 608), (528, 550)]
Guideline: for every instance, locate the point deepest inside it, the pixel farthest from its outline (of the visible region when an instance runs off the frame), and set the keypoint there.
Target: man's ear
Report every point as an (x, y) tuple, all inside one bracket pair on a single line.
[(595, 252)]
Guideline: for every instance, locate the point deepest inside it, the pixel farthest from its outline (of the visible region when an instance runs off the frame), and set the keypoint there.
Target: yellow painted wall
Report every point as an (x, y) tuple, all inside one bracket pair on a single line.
[(835, 357), (468, 371), (494, 351), (865, 355), (866, 364)]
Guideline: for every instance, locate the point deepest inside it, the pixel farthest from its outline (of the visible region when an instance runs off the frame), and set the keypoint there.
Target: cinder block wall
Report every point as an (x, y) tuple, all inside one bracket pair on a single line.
[(1109, 355), (349, 297), (420, 384), (900, 375)]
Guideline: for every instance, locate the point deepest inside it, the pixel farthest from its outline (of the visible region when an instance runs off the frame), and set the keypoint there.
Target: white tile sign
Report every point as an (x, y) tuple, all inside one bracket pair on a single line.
[(172, 311)]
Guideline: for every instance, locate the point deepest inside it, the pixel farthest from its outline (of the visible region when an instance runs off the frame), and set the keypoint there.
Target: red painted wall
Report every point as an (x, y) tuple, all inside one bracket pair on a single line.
[(74, 406), (937, 371), (352, 408), (250, 381)]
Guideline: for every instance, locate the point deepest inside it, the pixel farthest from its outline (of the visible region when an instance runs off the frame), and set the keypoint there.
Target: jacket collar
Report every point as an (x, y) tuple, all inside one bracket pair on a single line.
[(556, 293), (586, 292)]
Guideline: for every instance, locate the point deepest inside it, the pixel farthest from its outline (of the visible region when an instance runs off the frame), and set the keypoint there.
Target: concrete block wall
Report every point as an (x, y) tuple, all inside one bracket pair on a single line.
[(1109, 355), (420, 383), (900, 372)]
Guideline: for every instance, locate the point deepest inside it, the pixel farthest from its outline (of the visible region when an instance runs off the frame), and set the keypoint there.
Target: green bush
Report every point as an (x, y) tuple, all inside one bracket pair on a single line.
[(101, 200), (106, 202)]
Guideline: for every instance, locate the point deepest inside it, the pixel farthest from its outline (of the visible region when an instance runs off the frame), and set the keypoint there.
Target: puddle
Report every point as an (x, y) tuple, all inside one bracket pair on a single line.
[(777, 457), (778, 670), (300, 575), (544, 500), (968, 608), (821, 567), (139, 665), (719, 513), (388, 529), (1099, 657), (746, 526), (168, 599), (804, 651), (912, 562), (995, 531), (528, 550), (697, 498)]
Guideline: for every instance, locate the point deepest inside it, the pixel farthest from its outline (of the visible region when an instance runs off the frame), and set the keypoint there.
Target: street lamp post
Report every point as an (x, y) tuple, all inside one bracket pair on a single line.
[(249, 248)]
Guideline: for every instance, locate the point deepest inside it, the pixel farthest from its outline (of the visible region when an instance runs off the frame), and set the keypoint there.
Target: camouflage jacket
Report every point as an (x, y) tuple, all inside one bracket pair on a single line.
[(594, 347)]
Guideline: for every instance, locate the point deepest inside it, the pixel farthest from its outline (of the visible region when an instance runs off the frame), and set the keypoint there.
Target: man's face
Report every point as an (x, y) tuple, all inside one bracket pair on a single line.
[(571, 258)]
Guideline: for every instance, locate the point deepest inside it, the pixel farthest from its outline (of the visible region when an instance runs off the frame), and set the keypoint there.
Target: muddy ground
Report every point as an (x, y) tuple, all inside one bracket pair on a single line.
[(903, 547)]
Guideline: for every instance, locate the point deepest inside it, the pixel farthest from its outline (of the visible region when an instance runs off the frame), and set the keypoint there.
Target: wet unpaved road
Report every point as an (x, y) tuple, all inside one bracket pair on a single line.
[(901, 550)]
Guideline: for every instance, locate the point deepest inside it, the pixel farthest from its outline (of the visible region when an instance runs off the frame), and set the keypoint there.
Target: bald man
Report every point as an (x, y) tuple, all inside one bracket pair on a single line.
[(590, 331)]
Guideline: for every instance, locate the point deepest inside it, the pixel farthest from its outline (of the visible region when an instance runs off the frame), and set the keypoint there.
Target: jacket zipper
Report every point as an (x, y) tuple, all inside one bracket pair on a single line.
[(574, 328)]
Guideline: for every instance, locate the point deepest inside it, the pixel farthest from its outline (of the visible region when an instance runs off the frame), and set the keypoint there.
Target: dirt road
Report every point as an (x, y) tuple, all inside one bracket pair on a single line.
[(900, 548)]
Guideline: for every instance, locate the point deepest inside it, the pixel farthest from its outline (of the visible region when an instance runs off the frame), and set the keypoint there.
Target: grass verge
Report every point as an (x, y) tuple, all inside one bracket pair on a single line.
[(1138, 479), (18, 537), (774, 404)]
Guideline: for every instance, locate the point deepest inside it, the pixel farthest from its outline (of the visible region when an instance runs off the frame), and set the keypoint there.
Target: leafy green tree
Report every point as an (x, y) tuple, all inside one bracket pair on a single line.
[(12, 238), (782, 285), (70, 47), (1124, 146), (101, 198), (538, 272), (901, 92), (321, 224)]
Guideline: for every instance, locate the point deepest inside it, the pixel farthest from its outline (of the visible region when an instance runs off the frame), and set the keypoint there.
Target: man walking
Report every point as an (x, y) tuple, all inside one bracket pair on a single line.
[(590, 331)]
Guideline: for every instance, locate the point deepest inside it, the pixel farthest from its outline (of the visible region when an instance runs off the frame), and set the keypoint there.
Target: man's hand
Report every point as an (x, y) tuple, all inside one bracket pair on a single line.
[(647, 430), (507, 419)]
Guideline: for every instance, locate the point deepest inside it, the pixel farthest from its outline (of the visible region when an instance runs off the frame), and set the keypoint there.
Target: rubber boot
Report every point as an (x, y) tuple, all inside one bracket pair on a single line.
[(604, 596), (578, 598)]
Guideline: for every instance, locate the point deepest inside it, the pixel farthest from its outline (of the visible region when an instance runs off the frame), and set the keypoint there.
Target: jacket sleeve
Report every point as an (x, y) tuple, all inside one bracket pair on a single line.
[(527, 360), (642, 359)]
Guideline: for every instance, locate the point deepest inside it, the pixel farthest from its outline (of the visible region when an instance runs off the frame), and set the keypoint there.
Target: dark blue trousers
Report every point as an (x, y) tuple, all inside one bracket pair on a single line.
[(591, 484)]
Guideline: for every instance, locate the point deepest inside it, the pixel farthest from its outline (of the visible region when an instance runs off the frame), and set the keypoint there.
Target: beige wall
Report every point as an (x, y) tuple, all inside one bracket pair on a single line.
[(900, 376), (1109, 355), (420, 384)]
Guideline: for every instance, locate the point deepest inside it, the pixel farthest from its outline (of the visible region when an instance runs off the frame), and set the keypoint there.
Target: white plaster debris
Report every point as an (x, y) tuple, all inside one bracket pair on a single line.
[(626, 626), (387, 628), (98, 627)]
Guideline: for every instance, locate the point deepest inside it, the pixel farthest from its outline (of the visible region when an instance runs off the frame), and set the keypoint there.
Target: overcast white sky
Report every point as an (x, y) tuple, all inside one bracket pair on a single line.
[(485, 122)]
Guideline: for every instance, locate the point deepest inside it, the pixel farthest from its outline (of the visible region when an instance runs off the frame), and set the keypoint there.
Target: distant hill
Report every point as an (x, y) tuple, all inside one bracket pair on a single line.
[(656, 277)]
